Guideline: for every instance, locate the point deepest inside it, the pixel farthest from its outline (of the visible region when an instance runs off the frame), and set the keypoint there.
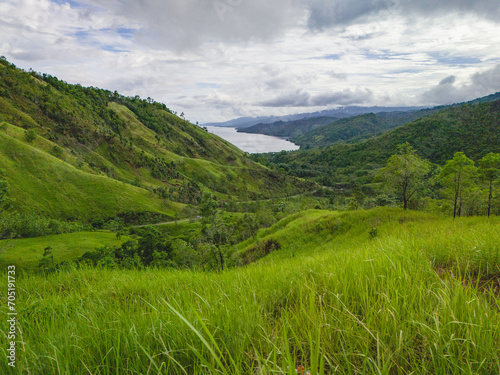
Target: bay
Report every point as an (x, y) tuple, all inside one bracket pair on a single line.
[(253, 143)]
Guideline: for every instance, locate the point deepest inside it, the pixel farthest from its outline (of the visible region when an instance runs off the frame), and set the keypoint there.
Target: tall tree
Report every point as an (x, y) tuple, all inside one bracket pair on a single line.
[(457, 175), (404, 173), (489, 172)]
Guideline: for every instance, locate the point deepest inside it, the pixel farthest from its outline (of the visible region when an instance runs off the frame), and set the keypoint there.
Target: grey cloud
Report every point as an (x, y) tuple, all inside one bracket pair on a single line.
[(450, 80), (480, 84), (183, 24), (187, 24), (300, 98), (339, 76), (327, 13)]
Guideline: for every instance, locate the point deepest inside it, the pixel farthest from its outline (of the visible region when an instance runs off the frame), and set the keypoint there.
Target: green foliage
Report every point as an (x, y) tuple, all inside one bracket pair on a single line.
[(17, 225), (469, 128), (109, 145), (458, 177), (47, 264), (404, 173), (4, 198), (357, 128), (309, 304), (57, 151), (489, 172)]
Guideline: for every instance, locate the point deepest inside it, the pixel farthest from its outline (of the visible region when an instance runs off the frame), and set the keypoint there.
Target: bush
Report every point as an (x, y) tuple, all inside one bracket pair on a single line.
[(259, 251), (17, 225)]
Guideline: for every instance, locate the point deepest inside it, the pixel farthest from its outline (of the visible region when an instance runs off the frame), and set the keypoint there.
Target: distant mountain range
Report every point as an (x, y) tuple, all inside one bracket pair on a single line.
[(316, 132), (343, 112)]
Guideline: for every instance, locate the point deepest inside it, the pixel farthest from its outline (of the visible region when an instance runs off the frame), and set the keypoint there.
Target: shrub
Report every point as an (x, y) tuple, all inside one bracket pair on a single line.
[(259, 251)]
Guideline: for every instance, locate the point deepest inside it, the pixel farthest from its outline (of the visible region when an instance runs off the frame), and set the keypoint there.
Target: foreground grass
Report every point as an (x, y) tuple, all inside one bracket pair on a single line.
[(26, 253), (333, 299)]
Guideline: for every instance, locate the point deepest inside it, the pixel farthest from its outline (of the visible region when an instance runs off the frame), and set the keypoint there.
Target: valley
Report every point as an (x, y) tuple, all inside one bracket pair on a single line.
[(143, 243)]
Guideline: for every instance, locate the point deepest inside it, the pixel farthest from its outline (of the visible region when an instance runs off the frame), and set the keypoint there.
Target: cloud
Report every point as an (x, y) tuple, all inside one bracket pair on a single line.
[(187, 24), (450, 80), (300, 98), (480, 84), (324, 14)]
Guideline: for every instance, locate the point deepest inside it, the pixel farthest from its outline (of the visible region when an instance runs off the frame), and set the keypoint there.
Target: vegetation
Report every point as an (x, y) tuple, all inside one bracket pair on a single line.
[(357, 128), (246, 269), (404, 173), (288, 129), (309, 304)]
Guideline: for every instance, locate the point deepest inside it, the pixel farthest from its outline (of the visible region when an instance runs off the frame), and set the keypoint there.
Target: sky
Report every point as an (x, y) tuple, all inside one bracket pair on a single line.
[(216, 60)]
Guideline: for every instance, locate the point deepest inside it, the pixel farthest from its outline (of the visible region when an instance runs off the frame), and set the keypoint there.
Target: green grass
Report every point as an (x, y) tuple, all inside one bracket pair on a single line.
[(48, 185), (26, 253), (411, 300)]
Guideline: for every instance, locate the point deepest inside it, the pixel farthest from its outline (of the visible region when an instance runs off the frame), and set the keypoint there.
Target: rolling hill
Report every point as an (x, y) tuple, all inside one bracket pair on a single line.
[(67, 151)]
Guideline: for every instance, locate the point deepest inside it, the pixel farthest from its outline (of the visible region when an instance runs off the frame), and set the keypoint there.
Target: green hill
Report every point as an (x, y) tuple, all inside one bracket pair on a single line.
[(288, 129), (67, 151), (470, 128), (357, 128)]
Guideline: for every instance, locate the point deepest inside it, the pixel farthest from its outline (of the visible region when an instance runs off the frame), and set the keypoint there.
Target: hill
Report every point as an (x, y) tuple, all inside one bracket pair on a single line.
[(69, 151), (470, 128), (288, 128), (378, 291), (355, 129)]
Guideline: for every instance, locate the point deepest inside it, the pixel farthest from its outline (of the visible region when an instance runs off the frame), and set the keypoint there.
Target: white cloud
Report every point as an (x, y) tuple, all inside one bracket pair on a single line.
[(479, 84), (261, 57)]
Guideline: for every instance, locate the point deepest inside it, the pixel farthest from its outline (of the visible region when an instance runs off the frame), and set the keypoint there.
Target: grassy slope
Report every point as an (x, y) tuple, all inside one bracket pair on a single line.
[(332, 299), (26, 253), (118, 142), (40, 182)]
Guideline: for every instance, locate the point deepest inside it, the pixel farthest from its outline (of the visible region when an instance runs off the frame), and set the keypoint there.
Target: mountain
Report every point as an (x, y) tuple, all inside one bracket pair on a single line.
[(473, 128), (72, 152), (288, 128), (357, 128), (342, 112)]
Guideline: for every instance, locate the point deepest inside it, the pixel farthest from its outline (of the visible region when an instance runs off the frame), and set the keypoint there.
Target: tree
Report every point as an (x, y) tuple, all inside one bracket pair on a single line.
[(457, 175), (208, 206), (489, 172), (217, 234), (404, 173)]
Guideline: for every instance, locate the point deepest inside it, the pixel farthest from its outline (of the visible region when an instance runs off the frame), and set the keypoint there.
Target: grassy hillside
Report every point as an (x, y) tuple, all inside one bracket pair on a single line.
[(94, 152), (419, 295), (470, 128)]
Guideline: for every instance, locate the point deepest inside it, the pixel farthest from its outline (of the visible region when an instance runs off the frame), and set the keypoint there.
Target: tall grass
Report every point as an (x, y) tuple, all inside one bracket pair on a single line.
[(406, 301)]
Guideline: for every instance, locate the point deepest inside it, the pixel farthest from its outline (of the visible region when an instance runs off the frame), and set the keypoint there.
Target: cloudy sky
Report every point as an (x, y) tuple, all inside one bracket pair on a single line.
[(220, 59)]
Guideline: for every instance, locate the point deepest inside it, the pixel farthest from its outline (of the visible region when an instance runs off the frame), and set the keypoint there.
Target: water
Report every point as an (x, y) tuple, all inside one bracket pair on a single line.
[(253, 143)]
